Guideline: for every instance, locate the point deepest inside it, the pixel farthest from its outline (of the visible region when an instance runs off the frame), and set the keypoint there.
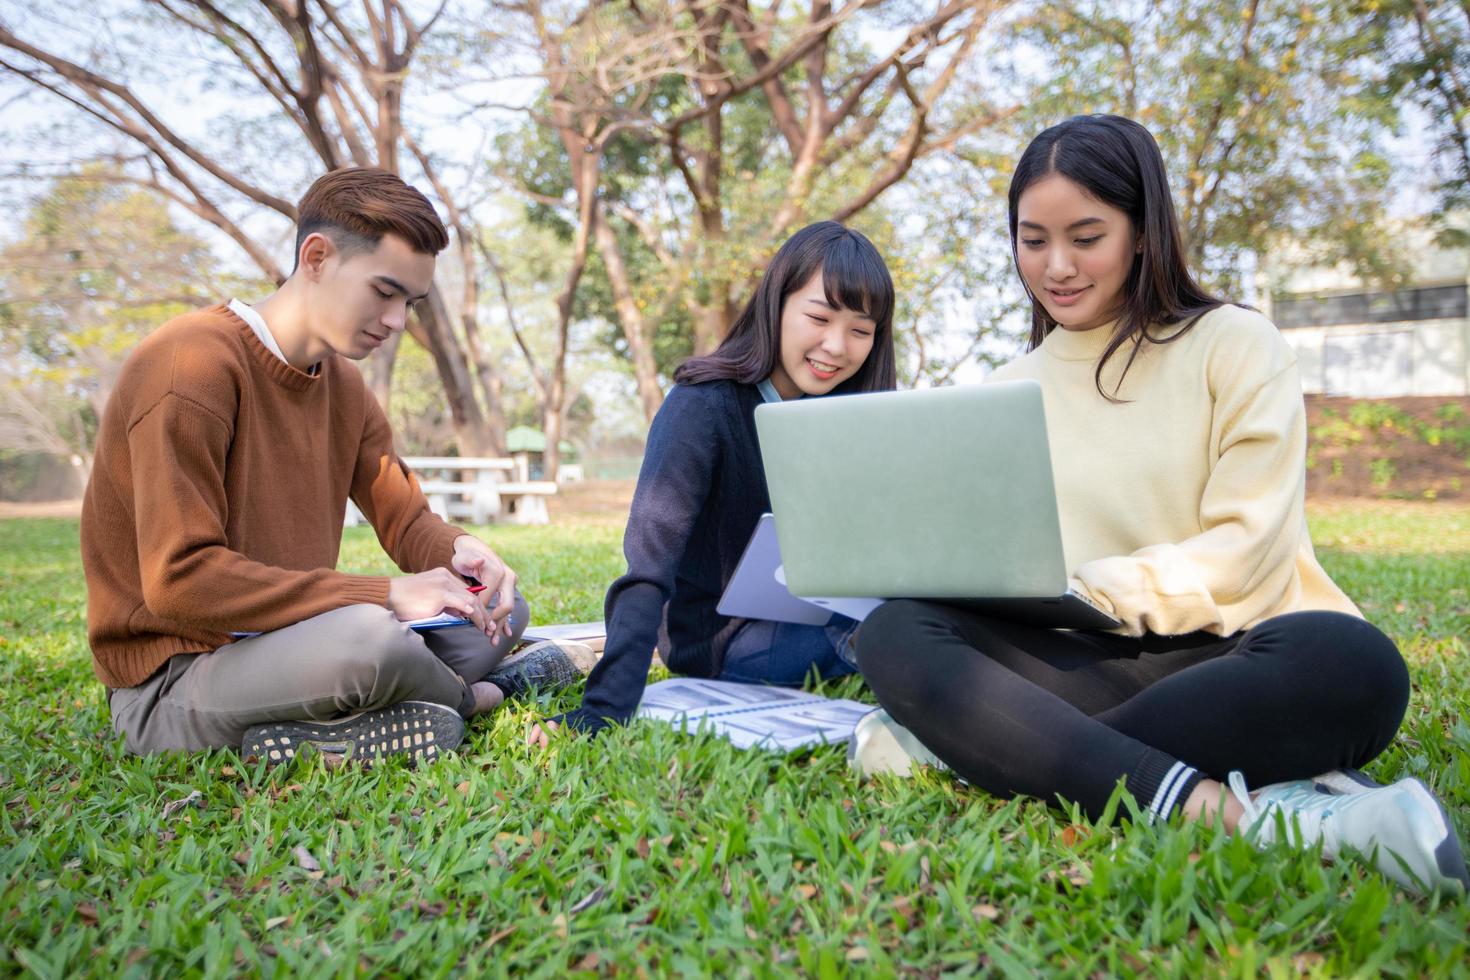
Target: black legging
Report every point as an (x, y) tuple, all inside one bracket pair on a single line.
[(1054, 714)]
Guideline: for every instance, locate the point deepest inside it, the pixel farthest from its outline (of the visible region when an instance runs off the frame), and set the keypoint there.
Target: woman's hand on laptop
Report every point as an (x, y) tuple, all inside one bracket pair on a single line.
[(433, 592)]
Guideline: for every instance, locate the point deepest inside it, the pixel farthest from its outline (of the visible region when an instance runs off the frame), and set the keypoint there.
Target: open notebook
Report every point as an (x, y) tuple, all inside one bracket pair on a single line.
[(752, 715)]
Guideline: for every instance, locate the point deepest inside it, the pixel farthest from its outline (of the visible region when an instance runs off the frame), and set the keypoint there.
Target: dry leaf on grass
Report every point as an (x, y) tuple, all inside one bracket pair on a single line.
[(985, 911), (280, 920), (497, 937), (598, 894), (195, 798), (304, 860)]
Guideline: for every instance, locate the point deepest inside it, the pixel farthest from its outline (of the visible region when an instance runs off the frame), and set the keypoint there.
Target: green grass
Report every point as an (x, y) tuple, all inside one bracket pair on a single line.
[(678, 855)]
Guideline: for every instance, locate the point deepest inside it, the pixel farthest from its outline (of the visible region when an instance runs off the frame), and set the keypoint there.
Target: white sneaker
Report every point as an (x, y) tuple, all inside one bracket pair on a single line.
[(881, 745), (1343, 781), (1402, 829)]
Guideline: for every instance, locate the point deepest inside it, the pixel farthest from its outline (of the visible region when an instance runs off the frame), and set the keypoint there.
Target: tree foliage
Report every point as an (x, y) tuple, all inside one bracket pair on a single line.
[(98, 265)]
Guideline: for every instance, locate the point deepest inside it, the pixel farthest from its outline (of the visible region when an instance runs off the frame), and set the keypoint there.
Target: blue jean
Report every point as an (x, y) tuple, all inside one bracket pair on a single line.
[(763, 652)]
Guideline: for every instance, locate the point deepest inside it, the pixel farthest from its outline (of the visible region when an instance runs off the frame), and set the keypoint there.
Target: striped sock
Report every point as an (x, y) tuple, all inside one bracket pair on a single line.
[(1164, 783)]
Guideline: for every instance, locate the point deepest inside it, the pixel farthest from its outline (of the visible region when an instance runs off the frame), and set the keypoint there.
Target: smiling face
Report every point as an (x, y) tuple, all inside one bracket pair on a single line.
[(821, 345), (359, 299), (1074, 252)]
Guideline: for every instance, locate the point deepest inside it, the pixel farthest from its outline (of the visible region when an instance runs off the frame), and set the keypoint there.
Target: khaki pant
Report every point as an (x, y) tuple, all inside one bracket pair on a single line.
[(349, 660)]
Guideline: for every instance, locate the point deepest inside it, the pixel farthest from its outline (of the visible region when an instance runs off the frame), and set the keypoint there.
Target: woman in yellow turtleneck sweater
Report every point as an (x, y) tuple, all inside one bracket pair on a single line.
[(1178, 440)]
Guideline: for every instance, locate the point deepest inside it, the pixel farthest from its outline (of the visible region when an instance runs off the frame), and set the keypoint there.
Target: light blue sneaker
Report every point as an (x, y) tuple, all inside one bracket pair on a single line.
[(881, 745), (1401, 829)]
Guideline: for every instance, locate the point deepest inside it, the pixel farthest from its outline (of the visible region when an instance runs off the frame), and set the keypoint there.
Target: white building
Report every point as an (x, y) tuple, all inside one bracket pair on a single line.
[(1371, 343)]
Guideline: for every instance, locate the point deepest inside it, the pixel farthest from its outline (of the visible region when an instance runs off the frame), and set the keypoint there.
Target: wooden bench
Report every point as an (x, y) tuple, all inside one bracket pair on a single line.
[(527, 503), (476, 489)]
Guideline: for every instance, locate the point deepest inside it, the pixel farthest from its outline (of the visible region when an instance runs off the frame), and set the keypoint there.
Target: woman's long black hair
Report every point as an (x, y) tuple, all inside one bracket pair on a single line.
[(853, 277), (1117, 161)]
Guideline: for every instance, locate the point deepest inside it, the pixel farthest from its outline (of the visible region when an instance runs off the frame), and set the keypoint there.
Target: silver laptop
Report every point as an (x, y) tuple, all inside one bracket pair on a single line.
[(758, 589), (940, 493)]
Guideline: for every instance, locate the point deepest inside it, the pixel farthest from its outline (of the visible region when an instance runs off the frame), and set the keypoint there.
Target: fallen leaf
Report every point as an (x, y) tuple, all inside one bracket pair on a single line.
[(497, 937), (227, 771), (559, 924), (588, 962), (806, 891), (87, 912), (924, 871), (241, 857), (857, 954), (279, 920), (464, 788), (304, 860), (1071, 833), (195, 798), (1306, 962), (643, 849), (597, 895), (538, 837), (985, 911), (726, 887)]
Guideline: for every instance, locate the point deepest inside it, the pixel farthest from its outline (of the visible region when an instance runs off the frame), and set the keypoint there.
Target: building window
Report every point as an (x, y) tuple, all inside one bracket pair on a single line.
[(1424, 303)]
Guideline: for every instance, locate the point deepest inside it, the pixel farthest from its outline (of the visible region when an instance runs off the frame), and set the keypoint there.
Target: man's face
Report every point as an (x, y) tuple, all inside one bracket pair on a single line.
[(360, 300)]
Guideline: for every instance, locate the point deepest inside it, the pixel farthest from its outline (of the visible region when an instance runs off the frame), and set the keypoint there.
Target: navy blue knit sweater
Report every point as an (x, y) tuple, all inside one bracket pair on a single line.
[(701, 491)]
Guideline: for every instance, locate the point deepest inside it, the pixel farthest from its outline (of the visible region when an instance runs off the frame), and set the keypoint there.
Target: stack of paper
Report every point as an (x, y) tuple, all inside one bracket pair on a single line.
[(752, 715)]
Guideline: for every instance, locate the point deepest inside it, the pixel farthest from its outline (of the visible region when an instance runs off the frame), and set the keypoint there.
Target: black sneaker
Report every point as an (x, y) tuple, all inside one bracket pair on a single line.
[(420, 730), (547, 666)]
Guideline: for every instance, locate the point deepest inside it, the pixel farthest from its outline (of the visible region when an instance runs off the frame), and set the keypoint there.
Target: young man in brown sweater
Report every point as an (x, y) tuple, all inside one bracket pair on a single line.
[(212, 522)]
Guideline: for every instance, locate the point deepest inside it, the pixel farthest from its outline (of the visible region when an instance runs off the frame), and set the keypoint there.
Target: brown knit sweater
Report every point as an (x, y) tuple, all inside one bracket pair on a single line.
[(218, 491)]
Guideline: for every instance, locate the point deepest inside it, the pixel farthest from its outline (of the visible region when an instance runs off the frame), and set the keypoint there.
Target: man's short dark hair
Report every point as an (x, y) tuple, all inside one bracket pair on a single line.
[(356, 206)]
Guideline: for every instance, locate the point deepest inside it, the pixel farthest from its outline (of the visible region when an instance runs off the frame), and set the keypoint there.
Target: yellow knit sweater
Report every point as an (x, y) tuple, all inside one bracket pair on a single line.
[(1181, 508)]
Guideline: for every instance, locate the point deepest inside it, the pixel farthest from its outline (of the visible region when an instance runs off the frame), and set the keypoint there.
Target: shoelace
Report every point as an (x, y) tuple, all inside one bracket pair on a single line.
[(1302, 824), (1236, 782)]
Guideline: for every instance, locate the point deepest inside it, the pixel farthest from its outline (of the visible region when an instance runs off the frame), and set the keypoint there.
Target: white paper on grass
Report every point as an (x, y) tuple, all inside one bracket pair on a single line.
[(752, 715)]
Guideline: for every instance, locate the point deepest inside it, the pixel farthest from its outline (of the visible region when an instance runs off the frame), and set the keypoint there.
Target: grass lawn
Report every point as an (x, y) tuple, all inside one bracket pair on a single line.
[(648, 850)]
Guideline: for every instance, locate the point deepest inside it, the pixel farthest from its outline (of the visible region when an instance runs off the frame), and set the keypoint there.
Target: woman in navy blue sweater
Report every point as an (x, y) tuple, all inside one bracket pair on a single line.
[(820, 322)]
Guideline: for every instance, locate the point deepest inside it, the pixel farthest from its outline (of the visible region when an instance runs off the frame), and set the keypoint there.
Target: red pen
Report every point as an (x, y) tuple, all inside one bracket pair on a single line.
[(476, 589)]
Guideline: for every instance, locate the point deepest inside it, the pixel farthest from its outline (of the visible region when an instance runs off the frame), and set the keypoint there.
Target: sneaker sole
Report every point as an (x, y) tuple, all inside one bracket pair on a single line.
[(419, 730)]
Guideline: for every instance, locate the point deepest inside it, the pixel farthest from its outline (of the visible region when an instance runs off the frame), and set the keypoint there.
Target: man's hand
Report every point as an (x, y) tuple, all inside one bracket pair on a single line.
[(433, 592), (540, 735), (474, 559)]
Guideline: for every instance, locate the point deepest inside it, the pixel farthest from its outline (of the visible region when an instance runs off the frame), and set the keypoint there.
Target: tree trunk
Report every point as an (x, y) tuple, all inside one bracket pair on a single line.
[(635, 330), (430, 327), (377, 370), (551, 426), (712, 320)]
